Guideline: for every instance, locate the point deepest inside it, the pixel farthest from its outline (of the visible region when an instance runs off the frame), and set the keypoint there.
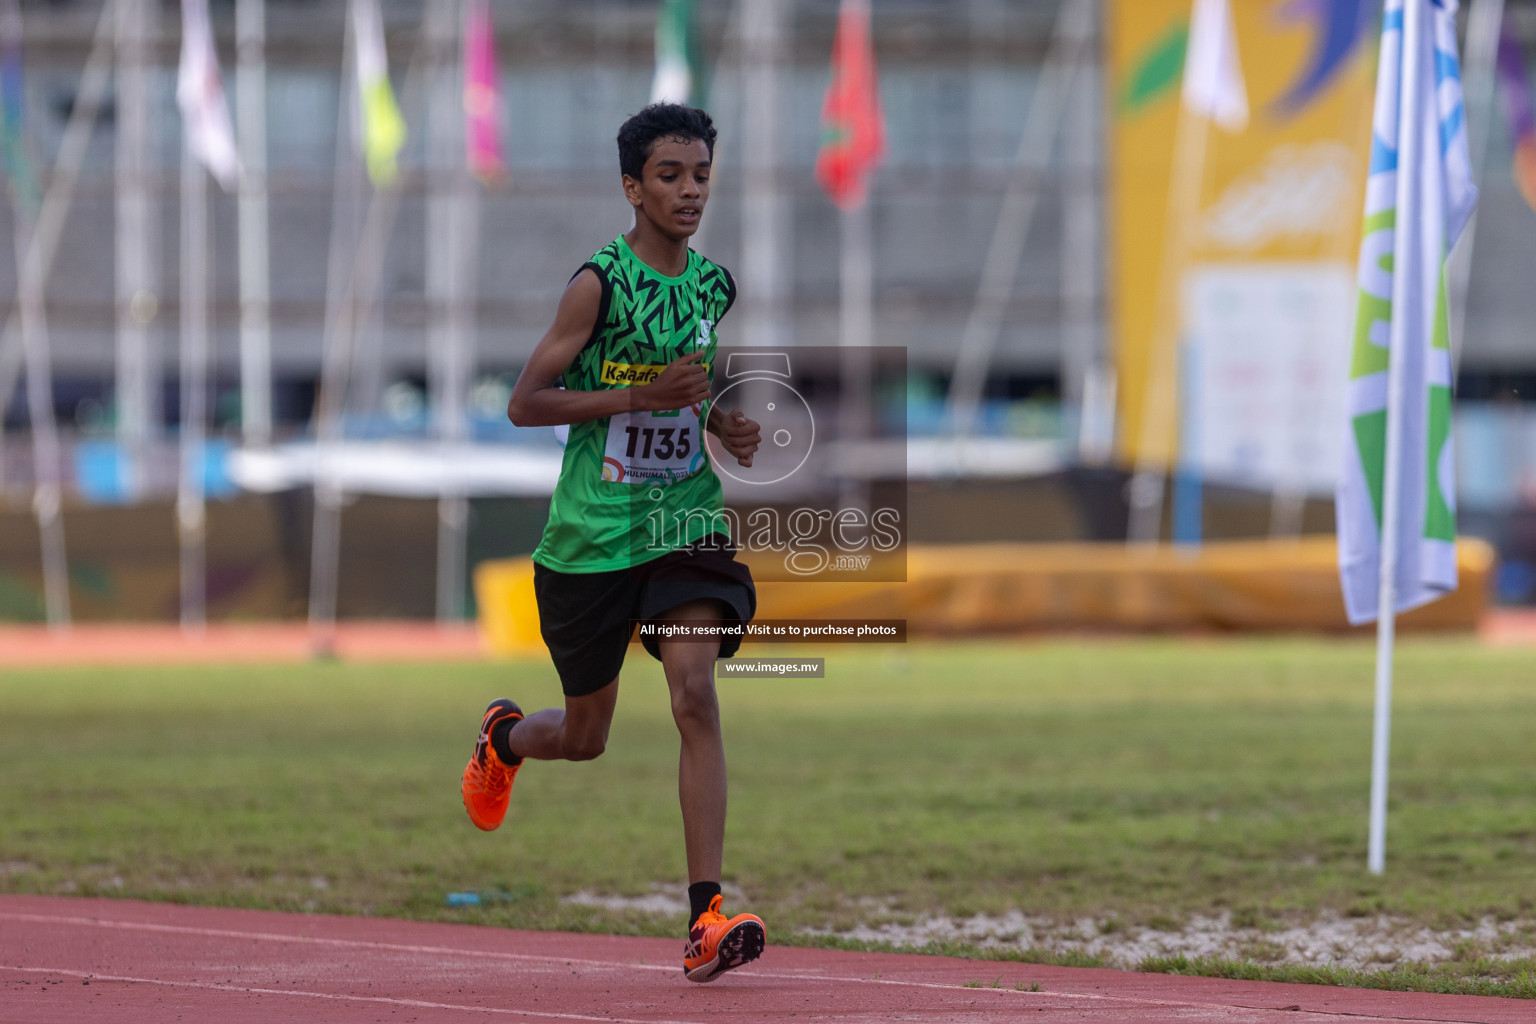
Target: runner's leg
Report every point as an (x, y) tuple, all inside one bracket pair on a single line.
[(689, 666), (576, 732)]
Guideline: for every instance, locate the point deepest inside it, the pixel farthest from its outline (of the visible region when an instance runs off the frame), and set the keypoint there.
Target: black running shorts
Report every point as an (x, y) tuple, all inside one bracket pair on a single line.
[(587, 618)]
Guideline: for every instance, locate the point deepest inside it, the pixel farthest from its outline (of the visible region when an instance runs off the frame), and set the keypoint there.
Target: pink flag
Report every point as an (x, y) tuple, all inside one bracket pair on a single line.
[(482, 97)]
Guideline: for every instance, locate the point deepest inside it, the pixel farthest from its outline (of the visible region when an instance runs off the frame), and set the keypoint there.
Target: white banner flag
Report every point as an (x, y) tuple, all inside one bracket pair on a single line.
[(1213, 76), (1415, 208), (200, 95)]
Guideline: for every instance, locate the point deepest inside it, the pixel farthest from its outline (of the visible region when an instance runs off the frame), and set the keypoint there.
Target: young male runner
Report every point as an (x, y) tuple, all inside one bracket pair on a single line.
[(630, 533)]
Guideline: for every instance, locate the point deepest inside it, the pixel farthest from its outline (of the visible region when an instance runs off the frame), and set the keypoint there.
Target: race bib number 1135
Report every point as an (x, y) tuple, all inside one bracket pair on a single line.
[(647, 446)]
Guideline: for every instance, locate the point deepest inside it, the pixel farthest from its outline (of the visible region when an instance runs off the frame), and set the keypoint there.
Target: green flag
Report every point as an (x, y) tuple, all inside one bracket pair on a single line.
[(679, 74)]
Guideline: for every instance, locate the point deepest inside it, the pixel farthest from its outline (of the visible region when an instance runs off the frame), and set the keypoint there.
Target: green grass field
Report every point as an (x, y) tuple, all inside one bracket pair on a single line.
[(1134, 781)]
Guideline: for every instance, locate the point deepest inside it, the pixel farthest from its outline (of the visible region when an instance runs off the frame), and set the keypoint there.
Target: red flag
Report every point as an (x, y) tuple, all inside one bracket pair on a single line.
[(852, 126)]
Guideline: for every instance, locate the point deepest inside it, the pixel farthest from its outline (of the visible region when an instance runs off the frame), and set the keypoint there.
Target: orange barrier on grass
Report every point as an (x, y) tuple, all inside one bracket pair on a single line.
[(974, 589), (509, 616)]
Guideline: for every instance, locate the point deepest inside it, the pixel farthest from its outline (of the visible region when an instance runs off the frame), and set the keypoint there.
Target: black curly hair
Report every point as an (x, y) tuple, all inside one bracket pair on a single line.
[(638, 135)]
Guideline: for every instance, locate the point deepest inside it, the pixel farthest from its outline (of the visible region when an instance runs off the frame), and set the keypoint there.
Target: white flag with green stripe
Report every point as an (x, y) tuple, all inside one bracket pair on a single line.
[(1402, 317), (677, 78)]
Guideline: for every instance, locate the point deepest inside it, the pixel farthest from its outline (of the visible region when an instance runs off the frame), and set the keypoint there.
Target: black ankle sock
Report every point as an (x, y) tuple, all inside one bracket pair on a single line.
[(699, 896), (500, 733)]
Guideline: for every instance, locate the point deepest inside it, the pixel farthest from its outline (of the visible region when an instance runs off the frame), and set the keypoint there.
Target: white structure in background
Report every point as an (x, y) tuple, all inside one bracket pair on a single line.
[(453, 238), (1265, 345), (139, 359), (255, 256)]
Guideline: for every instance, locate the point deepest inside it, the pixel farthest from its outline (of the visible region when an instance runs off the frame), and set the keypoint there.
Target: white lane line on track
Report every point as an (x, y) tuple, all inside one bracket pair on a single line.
[(801, 976), (394, 947), (422, 1004)]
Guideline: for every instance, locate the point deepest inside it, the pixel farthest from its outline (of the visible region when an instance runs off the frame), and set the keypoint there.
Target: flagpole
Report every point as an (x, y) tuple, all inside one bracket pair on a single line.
[(325, 526), (137, 248), (34, 262), (1080, 233), (46, 450), (438, 31), (856, 335), (1485, 22), (255, 259), (191, 503), (1404, 281), (335, 355), (1088, 379), (350, 294), (370, 361), (48, 224), (763, 224), (450, 231), (339, 358), (453, 513)]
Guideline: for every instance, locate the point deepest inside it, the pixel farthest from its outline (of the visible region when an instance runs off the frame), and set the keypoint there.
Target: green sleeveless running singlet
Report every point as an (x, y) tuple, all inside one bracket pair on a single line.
[(636, 485)]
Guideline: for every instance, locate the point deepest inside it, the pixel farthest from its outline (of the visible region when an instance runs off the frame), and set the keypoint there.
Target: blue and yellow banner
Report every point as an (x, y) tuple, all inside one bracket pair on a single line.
[(1265, 263)]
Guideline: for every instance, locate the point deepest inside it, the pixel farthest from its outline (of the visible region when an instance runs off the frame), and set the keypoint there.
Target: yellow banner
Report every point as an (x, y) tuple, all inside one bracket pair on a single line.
[(1269, 211)]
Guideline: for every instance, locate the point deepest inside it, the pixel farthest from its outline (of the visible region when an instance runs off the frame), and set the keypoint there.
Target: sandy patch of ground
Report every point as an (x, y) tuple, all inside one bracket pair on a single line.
[(1362, 942)]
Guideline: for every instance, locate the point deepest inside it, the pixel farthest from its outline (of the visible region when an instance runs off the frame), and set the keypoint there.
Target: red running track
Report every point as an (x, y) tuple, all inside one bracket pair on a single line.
[(70, 960)]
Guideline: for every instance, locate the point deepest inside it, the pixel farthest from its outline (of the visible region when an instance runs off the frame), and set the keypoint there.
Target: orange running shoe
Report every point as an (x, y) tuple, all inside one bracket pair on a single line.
[(487, 784), (716, 945)]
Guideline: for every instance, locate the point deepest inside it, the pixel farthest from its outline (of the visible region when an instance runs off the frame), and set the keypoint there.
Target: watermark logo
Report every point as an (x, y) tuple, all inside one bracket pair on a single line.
[(760, 386), (825, 497), (810, 541)]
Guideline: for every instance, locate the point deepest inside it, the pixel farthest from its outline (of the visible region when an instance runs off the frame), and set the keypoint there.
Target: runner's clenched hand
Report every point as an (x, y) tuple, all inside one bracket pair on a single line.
[(740, 436)]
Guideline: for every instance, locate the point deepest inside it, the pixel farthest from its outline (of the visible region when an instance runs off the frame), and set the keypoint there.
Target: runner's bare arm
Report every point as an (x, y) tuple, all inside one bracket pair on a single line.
[(537, 401)]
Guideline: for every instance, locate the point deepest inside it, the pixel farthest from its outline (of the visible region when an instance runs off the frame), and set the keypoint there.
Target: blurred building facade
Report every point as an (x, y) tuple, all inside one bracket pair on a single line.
[(955, 80)]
